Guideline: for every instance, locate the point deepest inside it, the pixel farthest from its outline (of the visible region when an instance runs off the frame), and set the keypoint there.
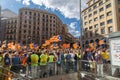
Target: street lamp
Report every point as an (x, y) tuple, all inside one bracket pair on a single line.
[(81, 40)]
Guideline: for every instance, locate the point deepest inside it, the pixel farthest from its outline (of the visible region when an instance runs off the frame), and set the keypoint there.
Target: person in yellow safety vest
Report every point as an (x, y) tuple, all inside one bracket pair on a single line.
[(51, 63), (43, 64), (34, 64), (78, 55), (51, 58)]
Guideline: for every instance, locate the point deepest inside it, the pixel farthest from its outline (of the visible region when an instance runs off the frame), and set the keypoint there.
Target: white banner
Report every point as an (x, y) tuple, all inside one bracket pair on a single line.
[(115, 51)]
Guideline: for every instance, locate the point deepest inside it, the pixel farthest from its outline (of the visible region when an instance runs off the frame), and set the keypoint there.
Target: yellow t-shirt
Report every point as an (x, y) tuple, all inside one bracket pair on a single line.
[(105, 55)]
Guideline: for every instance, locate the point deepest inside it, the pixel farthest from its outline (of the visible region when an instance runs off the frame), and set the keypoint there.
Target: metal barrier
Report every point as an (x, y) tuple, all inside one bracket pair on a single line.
[(98, 70), (88, 66), (7, 74), (50, 69), (38, 71)]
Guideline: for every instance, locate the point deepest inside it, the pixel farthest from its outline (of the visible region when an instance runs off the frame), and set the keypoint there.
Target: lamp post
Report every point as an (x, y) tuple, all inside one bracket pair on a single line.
[(80, 41)]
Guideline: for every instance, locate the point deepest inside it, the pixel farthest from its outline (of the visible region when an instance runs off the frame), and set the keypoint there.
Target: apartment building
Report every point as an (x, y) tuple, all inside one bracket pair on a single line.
[(100, 18)]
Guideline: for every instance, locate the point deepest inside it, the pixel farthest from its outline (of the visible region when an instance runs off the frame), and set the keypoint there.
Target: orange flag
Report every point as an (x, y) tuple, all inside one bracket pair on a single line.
[(101, 42), (68, 45), (75, 46), (91, 45), (64, 45), (31, 46), (17, 46)]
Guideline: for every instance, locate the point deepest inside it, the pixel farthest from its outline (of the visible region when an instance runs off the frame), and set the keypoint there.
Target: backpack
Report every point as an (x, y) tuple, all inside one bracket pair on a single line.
[(43, 59), (68, 57), (7, 61), (34, 58)]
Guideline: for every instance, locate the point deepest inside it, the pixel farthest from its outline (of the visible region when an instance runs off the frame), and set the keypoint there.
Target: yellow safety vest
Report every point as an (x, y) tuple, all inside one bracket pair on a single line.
[(51, 58)]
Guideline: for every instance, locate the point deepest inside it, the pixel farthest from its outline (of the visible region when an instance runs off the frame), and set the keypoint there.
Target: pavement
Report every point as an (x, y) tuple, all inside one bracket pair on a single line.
[(84, 76)]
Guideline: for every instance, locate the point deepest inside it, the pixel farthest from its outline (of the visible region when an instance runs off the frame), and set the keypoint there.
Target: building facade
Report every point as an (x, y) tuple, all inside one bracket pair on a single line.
[(37, 26), (10, 29), (34, 26), (100, 18)]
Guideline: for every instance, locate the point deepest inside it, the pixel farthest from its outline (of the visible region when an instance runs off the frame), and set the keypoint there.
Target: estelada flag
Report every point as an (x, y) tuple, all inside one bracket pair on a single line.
[(47, 42)]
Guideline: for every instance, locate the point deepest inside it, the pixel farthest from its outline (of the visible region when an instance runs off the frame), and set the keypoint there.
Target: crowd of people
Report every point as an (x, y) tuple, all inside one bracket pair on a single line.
[(42, 62)]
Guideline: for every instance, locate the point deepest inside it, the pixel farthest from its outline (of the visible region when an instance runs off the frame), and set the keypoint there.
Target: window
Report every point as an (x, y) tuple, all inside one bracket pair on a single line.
[(95, 19), (25, 21), (85, 17), (90, 21), (109, 5), (96, 32), (29, 32), (102, 23), (90, 15), (102, 16), (25, 26), (101, 9), (103, 31), (86, 29), (89, 9), (96, 26), (29, 26), (109, 13), (24, 31), (95, 12), (90, 27), (110, 29), (85, 12), (86, 34), (25, 12), (109, 21), (118, 1), (50, 17), (30, 13), (91, 34), (94, 7), (100, 3), (85, 23), (34, 14)]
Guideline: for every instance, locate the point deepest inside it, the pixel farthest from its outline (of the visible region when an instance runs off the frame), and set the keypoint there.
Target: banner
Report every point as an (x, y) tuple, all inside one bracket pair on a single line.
[(115, 51)]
